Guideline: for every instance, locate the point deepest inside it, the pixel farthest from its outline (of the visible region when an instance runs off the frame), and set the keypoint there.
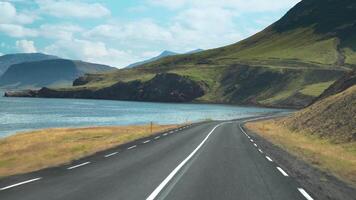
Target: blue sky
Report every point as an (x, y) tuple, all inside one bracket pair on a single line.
[(120, 32)]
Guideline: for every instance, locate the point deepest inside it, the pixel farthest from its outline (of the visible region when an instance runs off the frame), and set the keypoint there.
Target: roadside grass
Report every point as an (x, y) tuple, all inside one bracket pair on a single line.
[(337, 159), (31, 151)]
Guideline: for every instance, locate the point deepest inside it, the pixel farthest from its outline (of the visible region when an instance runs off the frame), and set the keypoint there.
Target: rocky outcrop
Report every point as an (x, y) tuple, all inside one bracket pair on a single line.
[(164, 87)]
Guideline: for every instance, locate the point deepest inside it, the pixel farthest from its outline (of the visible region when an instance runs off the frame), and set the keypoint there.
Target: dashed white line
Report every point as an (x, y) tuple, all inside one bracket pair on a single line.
[(305, 194), (269, 159), (155, 193), (132, 147), (251, 140), (111, 154), (156, 138), (21, 183), (282, 171), (171, 132), (260, 150), (147, 141), (165, 134), (254, 144), (76, 166)]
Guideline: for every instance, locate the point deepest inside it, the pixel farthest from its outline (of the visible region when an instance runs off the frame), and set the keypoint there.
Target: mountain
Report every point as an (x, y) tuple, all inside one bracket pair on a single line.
[(162, 55), (288, 64), (56, 72), (332, 116), (10, 59)]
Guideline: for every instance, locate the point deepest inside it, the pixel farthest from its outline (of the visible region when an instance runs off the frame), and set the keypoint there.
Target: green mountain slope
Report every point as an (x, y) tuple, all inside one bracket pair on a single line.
[(288, 64), (56, 72)]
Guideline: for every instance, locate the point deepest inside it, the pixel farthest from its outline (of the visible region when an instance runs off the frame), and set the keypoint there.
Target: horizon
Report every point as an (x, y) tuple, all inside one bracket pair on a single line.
[(105, 31)]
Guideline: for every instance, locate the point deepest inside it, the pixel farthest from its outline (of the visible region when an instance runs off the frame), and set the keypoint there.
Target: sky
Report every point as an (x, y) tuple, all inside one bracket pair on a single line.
[(120, 32)]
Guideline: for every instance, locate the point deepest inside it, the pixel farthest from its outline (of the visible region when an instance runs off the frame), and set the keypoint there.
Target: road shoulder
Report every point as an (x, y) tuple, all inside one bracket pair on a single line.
[(322, 185)]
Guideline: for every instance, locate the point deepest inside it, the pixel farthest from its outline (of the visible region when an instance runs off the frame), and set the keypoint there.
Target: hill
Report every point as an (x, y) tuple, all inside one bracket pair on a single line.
[(333, 115), (289, 64), (57, 72), (162, 55), (10, 59)]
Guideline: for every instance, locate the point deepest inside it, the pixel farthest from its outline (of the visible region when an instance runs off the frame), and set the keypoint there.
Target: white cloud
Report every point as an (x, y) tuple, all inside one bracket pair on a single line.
[(59, 31), (14, 30), (96, 52), (77, 9), (8, 14), (26, 46)]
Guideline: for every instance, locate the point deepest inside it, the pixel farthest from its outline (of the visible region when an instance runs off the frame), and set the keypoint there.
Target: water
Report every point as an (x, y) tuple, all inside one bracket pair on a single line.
[(23, 114)]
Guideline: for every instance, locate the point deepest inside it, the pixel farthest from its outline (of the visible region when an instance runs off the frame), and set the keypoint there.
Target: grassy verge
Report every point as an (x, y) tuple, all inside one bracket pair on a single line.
[(337, 159), (26, 152)]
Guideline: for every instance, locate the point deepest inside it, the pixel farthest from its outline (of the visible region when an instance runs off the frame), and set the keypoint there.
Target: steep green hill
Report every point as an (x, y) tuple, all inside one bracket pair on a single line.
[(288, 64), (56, 72)]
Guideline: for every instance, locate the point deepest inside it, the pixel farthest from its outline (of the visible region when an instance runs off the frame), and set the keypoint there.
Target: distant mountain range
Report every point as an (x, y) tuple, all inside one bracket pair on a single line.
[(164, 54), (10, 59), (37, 70)]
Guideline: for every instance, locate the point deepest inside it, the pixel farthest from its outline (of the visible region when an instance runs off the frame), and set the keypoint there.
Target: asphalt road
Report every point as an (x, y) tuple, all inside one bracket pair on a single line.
[(215, 160)]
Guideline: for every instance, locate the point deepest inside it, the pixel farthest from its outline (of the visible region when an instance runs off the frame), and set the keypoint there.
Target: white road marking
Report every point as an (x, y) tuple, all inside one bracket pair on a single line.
[(260, 150), (171, 132), (282, 171), (165, 134), (111, 154), (155, 193), (21, 183), (147, 141), (156, 138), (132, 147), (76, 166), (269, 159), (251, 140), (255, 144), (305, 194)]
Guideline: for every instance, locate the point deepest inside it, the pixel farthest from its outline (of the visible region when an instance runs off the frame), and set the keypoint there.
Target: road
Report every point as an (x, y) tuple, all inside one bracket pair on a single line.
[(213, 160)]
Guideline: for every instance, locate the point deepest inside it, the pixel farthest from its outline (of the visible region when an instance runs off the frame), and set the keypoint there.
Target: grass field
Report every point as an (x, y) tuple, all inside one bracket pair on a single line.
[(337, 159), (31, 151)]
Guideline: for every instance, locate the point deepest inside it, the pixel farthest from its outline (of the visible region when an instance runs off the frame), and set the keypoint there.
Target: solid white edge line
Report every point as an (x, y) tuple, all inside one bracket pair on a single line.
[(155, 193), (111, 154), (147, 141), (282, 171), (134, 146), (21, 183), (269, 159), (76, 166), (305, 194)]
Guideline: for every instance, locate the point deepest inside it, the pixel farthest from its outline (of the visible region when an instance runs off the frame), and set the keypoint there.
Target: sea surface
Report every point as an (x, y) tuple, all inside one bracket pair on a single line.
[(23, 114)]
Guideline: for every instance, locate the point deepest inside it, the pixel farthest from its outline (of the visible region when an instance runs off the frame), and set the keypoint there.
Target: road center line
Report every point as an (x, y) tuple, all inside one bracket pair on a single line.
[(147, 141), (282, 171), (157, 137), (165, 134), (21, 183), (269, 159), (260, 150), (76, 166), (132, 147), (255, 144), (111, 154), (155, 193), (305, 194)]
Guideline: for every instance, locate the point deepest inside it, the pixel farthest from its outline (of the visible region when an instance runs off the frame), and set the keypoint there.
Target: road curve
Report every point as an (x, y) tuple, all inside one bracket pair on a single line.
[(214, 160)]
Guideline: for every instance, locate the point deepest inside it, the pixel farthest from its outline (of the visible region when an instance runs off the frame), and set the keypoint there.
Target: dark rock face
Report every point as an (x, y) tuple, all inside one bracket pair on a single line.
[(80, 81), (162, 88)]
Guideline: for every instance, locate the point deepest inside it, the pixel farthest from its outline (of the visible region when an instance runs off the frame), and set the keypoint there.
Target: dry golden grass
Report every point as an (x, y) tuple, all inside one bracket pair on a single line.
[(26, 152), (337, 159)]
